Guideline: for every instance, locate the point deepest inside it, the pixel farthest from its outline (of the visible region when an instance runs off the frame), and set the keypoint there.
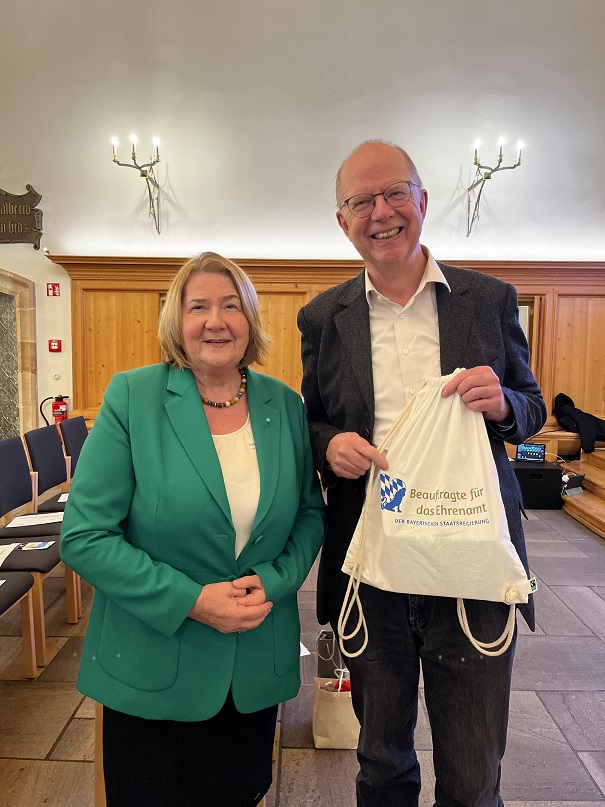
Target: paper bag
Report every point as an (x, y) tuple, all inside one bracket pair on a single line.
[(334, 721)]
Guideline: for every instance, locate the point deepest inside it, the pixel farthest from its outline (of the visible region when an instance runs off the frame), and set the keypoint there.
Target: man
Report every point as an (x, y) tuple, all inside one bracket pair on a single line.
[(367, 345)]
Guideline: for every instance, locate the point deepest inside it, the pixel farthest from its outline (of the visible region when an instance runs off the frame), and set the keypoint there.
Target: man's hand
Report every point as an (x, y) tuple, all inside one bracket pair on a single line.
[(480, 390), (350, 456), (228, 609)]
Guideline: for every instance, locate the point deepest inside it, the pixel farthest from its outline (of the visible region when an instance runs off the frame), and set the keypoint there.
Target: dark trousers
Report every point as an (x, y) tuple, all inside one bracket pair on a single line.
[(221, 762), (466, 693)]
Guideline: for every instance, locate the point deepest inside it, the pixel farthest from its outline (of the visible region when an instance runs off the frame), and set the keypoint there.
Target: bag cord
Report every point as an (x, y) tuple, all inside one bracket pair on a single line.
[(352, 599)]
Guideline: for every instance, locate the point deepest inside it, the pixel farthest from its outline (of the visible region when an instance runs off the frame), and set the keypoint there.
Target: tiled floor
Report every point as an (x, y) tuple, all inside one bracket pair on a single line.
[(556, 747)]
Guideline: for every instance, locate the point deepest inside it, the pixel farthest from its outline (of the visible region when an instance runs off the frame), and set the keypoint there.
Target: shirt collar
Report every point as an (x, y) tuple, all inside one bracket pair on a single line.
[(432, 274)]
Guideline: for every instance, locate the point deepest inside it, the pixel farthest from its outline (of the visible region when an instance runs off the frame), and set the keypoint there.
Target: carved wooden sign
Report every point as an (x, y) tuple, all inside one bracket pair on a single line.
[(20, 221)]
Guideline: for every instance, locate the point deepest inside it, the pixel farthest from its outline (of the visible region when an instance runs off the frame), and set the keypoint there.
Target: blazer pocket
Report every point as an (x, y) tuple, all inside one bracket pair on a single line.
[(286, 636), (135, 654)]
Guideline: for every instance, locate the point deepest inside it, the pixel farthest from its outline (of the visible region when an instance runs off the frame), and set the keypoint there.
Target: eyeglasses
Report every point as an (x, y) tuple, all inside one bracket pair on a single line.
[(396, 195)]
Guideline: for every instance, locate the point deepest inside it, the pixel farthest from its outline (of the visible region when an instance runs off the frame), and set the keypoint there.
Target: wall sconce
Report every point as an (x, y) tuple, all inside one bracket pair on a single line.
[(482, 174), (146, 171)]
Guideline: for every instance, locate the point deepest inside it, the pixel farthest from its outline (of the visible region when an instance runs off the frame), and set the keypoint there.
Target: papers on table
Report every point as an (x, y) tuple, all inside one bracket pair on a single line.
[(2, 581), (36, 518), (63, 497), (37, 545)]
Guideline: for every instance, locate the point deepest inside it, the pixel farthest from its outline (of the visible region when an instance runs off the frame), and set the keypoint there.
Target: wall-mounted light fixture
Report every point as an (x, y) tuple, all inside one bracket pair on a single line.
[(482, 174), (146, 171)]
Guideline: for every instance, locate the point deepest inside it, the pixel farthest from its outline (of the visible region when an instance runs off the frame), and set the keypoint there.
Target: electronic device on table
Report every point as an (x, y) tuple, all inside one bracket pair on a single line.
[(531, 452)]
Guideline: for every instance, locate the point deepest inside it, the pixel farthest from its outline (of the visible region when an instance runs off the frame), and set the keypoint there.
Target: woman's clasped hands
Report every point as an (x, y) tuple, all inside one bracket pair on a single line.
[(234, 606)]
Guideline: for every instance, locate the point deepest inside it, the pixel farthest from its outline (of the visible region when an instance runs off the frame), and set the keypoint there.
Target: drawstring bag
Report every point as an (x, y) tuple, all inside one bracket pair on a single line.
[(434, 523)]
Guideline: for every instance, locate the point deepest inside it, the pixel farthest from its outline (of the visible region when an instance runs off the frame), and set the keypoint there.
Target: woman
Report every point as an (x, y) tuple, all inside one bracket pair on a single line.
[(196, 515)]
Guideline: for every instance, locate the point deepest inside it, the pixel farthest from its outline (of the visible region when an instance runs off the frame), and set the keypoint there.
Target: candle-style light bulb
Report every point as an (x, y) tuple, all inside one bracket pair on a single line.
[(133, 142), (520, 147), (156, 143), (477, 145), (501, 142), (114, 144)]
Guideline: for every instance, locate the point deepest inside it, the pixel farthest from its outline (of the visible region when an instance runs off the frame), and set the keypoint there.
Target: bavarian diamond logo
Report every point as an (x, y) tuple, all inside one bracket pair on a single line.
[(392, 492)]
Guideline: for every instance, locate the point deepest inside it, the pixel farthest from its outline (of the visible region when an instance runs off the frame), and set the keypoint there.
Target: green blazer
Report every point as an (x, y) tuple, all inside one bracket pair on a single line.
[(148, 524)]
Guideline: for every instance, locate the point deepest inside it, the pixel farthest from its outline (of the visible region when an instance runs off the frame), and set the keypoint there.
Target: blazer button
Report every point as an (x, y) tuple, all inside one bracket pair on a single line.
[(366, 433)]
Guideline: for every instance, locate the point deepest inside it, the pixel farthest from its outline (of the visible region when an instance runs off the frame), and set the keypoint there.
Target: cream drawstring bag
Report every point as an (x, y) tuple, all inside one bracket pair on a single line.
[(434, 523)]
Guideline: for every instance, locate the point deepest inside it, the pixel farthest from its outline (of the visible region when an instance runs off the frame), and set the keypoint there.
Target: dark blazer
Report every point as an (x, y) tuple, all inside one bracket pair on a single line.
[(478, 325), (148, 524)]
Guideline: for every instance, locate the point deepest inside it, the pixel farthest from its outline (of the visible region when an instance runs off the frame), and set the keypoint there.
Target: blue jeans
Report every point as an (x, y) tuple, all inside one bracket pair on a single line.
[(466, 693)]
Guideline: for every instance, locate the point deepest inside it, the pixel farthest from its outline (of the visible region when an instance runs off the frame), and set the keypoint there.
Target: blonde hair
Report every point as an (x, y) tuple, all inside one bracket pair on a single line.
[(170, 332)]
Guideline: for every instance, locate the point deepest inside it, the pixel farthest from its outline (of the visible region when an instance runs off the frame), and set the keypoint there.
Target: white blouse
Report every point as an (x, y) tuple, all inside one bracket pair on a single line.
[(237, 456)]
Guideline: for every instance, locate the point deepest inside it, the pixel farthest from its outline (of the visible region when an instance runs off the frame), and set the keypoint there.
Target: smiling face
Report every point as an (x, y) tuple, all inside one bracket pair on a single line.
[(389, 237), (215, 328)]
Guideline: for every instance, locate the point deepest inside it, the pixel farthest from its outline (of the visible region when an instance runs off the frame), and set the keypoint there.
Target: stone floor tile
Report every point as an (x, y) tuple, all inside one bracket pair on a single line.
[(33, 716), (552, 548), (327, 778), (55, 617), (580, 716), (77, 743), (587, 604), (563, 523), (307, 600), (427, 779), (592, 545), (523, 629), (308, 669), (11, 659), (52, 784), (554, 617), (540, 530), (423, 740), (574, 572), (86, 709), (595, 764), (556, 803), (539, 764), (297, 720), (563, 663), (310, 583), (317, 778), (67, 663)]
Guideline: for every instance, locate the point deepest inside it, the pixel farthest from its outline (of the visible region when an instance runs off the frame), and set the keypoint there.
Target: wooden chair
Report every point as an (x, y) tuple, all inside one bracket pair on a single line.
[(74, 432), (18, 490), (47, 459), (17, 588)]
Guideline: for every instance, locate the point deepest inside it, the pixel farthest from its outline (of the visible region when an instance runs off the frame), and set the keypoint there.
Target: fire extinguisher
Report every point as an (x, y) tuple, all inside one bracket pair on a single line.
[(59, 408)]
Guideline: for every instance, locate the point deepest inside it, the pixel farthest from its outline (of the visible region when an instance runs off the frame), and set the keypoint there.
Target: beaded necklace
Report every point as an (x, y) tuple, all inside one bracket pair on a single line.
[(231, 401)]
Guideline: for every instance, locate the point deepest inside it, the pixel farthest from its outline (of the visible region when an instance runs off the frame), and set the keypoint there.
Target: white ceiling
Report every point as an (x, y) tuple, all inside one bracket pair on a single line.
[(257, 102)]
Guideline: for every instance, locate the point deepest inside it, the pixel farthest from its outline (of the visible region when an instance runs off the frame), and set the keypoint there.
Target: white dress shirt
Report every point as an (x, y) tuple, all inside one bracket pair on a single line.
[(405, 346)]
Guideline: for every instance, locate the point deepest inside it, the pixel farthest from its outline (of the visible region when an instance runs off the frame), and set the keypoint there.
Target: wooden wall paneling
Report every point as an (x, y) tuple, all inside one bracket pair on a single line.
[(278, 317), (285, 285), (580, 351), (120, 333)]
